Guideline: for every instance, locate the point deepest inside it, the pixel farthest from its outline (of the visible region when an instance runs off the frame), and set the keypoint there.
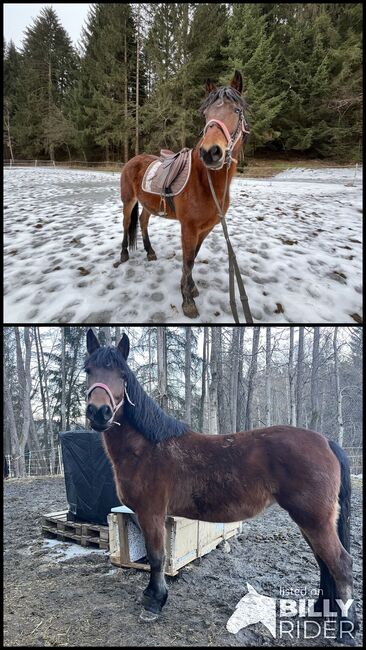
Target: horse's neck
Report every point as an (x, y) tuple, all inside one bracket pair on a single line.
[(123, 440)]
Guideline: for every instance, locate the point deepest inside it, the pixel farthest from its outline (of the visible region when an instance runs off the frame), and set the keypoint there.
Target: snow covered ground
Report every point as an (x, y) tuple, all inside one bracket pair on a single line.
[(297, 238)]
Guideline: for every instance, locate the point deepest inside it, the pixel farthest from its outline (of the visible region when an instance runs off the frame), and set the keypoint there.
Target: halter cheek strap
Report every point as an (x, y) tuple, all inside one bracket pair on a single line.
[(115, 406)]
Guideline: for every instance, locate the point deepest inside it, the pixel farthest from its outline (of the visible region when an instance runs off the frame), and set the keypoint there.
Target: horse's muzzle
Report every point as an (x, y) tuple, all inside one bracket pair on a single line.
[(213, 158), (99, 417)]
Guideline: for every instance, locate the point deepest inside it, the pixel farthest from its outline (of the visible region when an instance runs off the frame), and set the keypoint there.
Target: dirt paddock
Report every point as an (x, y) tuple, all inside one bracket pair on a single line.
[(58, 594)]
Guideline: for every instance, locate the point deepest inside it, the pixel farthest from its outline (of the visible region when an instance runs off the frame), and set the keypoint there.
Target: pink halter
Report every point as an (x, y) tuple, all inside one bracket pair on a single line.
[(115, 406), (230, 142)]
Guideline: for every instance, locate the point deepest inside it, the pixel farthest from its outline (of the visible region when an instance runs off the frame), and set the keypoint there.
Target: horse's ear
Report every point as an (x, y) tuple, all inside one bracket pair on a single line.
[(209, 86), (237, 82), (124, 346), (92, 342)]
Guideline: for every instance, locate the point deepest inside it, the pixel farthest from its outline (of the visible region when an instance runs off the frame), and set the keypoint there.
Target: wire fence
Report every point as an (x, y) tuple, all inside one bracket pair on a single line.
[(64, 164), (37, 463), (355, 458)]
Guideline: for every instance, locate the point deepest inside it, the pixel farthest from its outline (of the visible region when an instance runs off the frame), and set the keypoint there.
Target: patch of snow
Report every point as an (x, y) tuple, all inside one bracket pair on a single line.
[(297, 239), (61, 551)]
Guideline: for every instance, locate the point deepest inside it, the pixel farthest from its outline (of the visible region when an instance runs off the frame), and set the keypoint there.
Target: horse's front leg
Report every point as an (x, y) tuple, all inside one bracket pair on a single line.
[(156, 593), (188, 287)]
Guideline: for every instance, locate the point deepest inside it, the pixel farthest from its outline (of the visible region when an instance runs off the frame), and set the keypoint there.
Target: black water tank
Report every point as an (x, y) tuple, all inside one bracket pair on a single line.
[(90, 488)]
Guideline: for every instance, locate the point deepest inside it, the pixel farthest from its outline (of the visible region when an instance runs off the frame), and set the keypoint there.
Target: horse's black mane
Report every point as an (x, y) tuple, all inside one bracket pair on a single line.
[(146, 416), (219, 93)]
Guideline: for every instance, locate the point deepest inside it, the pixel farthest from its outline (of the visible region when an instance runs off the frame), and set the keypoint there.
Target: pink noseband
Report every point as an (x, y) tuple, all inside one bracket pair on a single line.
[(115, 406)]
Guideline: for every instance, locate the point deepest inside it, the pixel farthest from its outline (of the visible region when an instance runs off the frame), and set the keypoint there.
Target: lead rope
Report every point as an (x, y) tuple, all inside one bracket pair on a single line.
[(233, 264)]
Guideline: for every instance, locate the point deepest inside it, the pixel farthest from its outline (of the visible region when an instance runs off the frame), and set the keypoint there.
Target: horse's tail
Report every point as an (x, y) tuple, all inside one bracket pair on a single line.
[(344, 496), (132, 228)]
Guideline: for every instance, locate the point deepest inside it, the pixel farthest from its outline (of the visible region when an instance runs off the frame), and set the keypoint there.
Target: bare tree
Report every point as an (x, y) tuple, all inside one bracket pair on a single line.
[(340, 428), (291, 379), (314, 386), (63, 380), (300, 379), (234, 376), (213, 387), (251, 378), (205, 398), (25, 383), (240, 383), (162, 367), (187, 375), (268, 414)]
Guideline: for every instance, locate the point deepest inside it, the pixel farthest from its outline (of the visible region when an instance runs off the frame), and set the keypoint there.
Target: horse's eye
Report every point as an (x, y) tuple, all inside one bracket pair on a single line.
[(236, 110), (87, 370)]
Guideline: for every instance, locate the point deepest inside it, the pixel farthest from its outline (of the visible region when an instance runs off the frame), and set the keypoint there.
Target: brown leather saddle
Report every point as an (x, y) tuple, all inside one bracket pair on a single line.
[(168, 175)]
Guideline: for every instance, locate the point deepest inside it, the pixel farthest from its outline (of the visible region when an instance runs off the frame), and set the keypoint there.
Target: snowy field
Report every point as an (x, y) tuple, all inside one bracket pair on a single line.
[(297, 238)]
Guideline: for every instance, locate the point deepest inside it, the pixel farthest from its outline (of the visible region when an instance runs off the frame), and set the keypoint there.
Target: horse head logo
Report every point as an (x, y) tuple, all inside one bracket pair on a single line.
[(253, 608)]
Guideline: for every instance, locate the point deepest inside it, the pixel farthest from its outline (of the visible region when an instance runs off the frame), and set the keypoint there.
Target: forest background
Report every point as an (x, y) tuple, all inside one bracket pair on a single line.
[(218, 379), (137, 80)]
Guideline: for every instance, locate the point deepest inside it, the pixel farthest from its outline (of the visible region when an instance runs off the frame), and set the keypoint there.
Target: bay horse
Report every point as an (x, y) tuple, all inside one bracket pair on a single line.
[(194, 207), (162, 467)]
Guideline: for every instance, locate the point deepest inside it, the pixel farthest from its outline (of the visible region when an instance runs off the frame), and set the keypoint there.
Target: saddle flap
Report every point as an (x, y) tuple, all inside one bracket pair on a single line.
[(169, 174)]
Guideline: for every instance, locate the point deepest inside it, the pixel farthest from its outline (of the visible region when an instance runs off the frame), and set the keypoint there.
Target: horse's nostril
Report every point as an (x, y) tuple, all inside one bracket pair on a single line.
[(105, 413), (91, 411), (216, 153)]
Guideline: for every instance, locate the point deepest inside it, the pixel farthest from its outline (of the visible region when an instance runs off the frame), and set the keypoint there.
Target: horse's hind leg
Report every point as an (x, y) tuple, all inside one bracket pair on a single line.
[(144, 222), (325, 543), (327, 588), (130, 214)]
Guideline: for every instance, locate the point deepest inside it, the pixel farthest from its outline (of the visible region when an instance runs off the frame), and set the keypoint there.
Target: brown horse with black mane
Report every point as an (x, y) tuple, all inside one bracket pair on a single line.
[(162, 467), (194, 206)]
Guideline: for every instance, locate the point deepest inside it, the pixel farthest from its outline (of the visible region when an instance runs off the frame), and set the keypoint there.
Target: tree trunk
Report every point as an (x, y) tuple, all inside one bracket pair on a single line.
[(220, 383), (340, 428), (205, 396), (268, 414), (291, 379), (162, 367), (240, 395), (314, 388), (187, 376), (137, 80), (300, 380), (63, 380), (14, 438), (24, 378), (251, 377), (234, 375), (213, 387), (117, 337), (126, 97)]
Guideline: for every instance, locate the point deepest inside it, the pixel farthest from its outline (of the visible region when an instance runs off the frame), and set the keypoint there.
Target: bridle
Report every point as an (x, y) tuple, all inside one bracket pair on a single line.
[(241, 130), (115, 407)]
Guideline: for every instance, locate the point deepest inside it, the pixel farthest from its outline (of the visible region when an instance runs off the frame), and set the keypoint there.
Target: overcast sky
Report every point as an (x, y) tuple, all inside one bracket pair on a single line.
[(18, 16)]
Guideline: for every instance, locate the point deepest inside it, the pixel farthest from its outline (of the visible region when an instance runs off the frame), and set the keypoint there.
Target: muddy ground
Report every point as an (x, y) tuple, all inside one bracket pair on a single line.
[(83, 600)]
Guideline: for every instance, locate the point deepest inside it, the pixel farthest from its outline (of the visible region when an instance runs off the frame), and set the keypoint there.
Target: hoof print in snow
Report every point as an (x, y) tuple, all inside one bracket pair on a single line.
[(357, 318), (83, 271), (289, 242), (338, 276), (39, 225), (280, 309)]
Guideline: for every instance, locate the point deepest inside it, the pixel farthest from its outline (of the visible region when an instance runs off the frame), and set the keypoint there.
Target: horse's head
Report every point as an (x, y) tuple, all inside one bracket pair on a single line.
[(106, 370), (225, 125)]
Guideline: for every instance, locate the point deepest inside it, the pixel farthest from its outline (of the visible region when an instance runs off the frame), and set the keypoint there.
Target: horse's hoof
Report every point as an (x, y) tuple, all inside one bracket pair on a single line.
[(147, 616), (195, 292), (190, 310), (151, 257), (116, 264), (124, 256)]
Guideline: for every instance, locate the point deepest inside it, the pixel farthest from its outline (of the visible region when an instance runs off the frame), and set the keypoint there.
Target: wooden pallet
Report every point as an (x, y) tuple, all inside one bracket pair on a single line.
[(55, 525)]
